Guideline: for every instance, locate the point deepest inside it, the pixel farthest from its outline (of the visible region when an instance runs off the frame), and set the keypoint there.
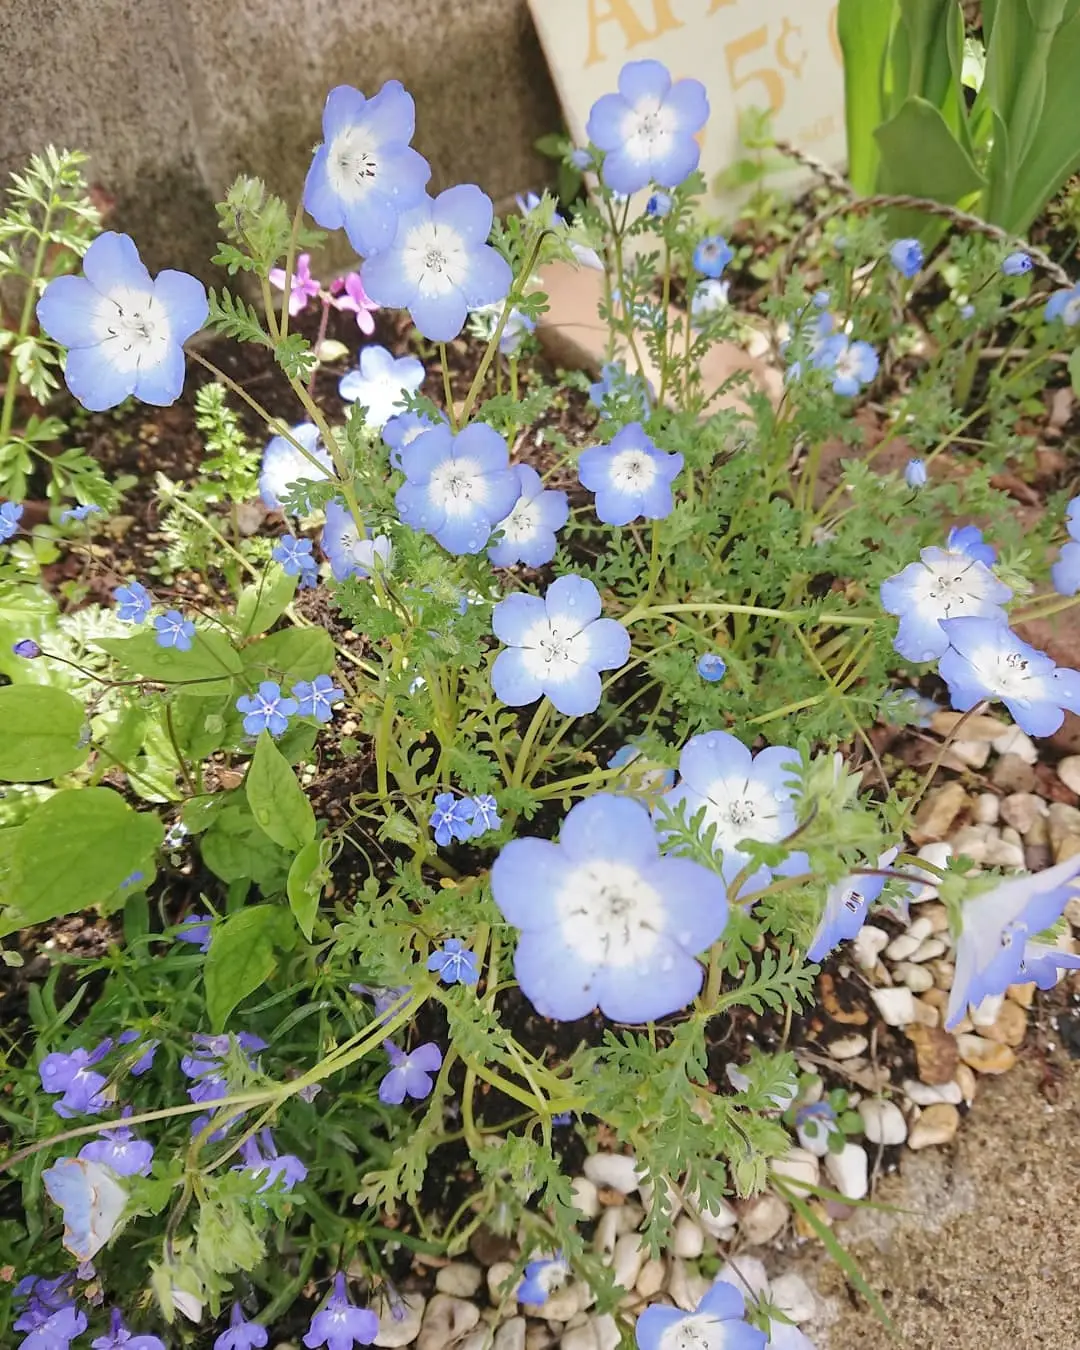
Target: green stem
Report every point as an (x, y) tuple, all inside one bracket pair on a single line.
[(7, 415), (448, 393), (539, 717)]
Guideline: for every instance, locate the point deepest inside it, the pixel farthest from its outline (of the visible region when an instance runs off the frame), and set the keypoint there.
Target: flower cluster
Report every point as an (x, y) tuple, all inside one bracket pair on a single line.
[(269, 709), (463, 818)]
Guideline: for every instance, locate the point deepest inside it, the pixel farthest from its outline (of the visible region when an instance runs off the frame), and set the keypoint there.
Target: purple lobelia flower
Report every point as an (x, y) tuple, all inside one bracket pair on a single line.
[(124, 330), (647, 130), (986, 660), (73, 1075), (267, 710), (302, 285), (283, 465), (121, 1152), (557, 646), (410, 1074), (945, 583), (241, 1334), (347, 293), (120, 1338), (347, 553), (717, 1323), (317, 698), (712, 255), (440, 264), (173, 630), (459, 487), (286, 1167), (452, 818), (852, 364), (403, 429), (92, 1201), (133, 602), (604, 919), (366, 173), (339, 1325), (455, 963), (528, 532), (906, 255), (381, 383), (37, 1299), (57, 1331), (630, 477), (297, 560), (845, 910), (195, 929)]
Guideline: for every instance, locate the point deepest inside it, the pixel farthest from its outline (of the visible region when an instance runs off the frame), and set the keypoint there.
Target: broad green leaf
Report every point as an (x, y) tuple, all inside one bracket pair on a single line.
[(920, 155), (41, 733), (236, 849), (241, 958), (206, 669), (277, 800), (76, 850), (307, 876), (864, 31), (264, 602), (291, 655), (201, 724)]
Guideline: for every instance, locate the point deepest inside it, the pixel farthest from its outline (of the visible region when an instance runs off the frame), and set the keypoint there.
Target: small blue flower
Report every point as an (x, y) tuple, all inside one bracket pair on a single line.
[(10, 515), (119, 1150), (630, 477), (410, 1074), (906, 256), (712, 255), (853, 364), (347, 553), (242, 1334), (145, 1062), (173, 630), (451, 818), (27, 649), (283, 465), (579, 158), (944, 583), (402, 429), (133, 602), (440, 265), (120, 1338), (815, 1125), (78, 513), (1043, 963), (1065, 305), (616, 384), (297, 560), (710, 297), (92, 1201), (459, 487), (267, 710), (455, 963), (1065, 572), (659, 205), (1016, 264), (648, 128), (124, 331), (711, 667), (967, 312), (57, 1331), (195, 929), (285, 1167), (517, 328), (317, 698), (366, 173), (717, 1321), (915, 475), (541, 1278), (968, 539), (821, 299), (562, 1118), (381, 383), (73, 1075), (485, 815), (845, 908), (556, 645), (528, 532)]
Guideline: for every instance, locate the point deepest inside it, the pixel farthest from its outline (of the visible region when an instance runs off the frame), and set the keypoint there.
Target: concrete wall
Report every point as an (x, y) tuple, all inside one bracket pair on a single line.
[(173, 98)]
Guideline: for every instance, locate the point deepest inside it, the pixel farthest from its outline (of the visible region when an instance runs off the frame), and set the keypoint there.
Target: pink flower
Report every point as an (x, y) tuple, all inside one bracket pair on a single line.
[(302, 287), (348, 293)]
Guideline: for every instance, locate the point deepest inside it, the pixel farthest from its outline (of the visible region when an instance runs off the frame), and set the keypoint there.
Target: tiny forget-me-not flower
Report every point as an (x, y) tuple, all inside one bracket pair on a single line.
[(710, 296), (485, 815), (1016, 264), (121, 1152), (286, 1167), (541, 1278), (528, 532), (944, 584), (852, 364), (73, 1075), (968, 539), (195, 929), (283, 465), (133, 602), (630, 477), (409, 1074), (455, 963), (79, 513), (347, 553), (27, 649), (452, 818), (317, 697), (10, 515), (659, 205), (297, 560), (380, 384), (717, 1323), (173, 630), (266, 710), (459, 487), (648, 129)]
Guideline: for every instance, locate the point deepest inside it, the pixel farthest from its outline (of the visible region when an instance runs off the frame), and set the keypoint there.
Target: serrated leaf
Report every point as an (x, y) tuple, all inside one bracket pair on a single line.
[(277, 800), (41, 733)]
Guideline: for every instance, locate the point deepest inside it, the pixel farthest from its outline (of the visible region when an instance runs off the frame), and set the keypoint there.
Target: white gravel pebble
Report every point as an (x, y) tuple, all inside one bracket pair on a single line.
[(869, 943), (628, 1260), (446, 1320), (930, 1094), (583, 1337), (718, 1220), (688, 1240), (616, 1170), (651, 1279), (1005, 853), (917, 978), (986, 808), (1069, 772), (608, 1336), (1016, 742), (849, 1171), (399, 1321), (847, 1047), (985, 1015), (928, 949), (793, 1296), (901, 947), (460, 1278), (586, 1198), (497, 1277), (688, 1287), (883, 1122), (896, 1005), (762, 1218), (511, 1335), (798, 1165), (1022, 809), (747, 1274)]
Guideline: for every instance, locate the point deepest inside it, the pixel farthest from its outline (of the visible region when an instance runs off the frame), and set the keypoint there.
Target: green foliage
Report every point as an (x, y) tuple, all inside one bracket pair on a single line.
[(41, 733), (242, 957), (276, 799)]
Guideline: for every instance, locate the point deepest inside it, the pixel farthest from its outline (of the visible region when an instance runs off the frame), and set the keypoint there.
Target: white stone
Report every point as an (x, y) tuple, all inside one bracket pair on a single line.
[(847, 1047), (628, 1259), (672, 1202), (460, 1278), (1022, 809), (798, 1167), (917, 978), (937, 854), (688, 1287), (762, 1218), (616, 1170), (718, 1220), (896, 1005), (399, 1321), (986, 808), (586, 1197), (868, 945), (901, 947), (793, 1297), (511, 1335), (497, 1277), (688, 1240), (747, 1274), (883, 1122), (1005, 853), (608, 1336), (1016, 742), (580, 1338), (562, 1304), (446, 1319), (985, 1015), (1069, 772), (920, 928), (813, 1134), (652, 1276), (974, 841), (928, 949), (849, 1170), (930, 1094), (607, 1232), (972, 753)]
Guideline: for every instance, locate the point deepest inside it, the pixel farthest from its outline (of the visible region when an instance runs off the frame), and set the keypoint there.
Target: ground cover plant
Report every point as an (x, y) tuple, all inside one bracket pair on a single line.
[(607, 711)]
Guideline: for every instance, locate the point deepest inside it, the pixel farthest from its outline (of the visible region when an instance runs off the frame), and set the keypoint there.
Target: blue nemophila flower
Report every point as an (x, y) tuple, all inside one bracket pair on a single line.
[(57, 1331), (630, 477), (845, 908), (459, 487), (712, 255), (647, 130), (440, 265), (557, 646), (283, 465), (241, 1334), (196, 930), (267, 709), (74, 513), (517, 328), (541, 1278), (27, 649), (853, 364), (709, 297), (1065, 572), (616, 383), (120, 1338), (173, 630), (297, 560), (1016, 264), (944, 584), (744, 796), (605, 920), (381, 383), (986, 660), (579, 158), (711, 667), (717, 1323), (284, 1167), (365, 172), (73, 1075), (339, 1325), (91, 1199), (455, 963), (485, 815), (996, 927), (906, 256), (10, 515), (410, 1074), (1065, 305), (451, 818), (787, 1336), (133, 602), (815, 1124), (968, 539), (403, 428), (347, 553), (528, 532), (121, 1152), (123, 329), (659, 205), (915, 474), (317, 698)]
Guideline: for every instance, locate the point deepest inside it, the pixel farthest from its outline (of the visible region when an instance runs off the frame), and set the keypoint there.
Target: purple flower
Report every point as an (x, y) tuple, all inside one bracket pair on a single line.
[(348, 294), (986, 660), (711, 667), (459, 487), (242, 1334), (119, 1150), (27, 649), (403, 429), (1065, 305), (906, 256), (604, 919), (347, 553), (454, 962), (439, 265), (133, 602), (528, 532), (72, 1074), (365, 173), (297, 560), (145, 1062), (10, 515), (717, 1323), (648, 128), (381, 383), (630, 477), (78, 513), (57, 1331), (173, 630), (1016, 264), (283, 465), (845, 908), (853, 364), (410, 1074), (579, 158), (196, 930), (557, 646), (124, 331), (915, 475), (712, 255), (485, 815), (302, 285), (615, 385), (37, 1300), (451, 818), (339, 1325), (317, 698), (944, 584), (541, 1278), (286, 1166), (268, 710), (120, 1338)]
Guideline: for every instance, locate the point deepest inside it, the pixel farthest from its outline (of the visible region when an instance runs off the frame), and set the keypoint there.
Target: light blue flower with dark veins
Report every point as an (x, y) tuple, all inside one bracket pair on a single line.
[(283, 465), (712, 255), (241, 1334), (717, 1323), (986, 660), (267, 710), (541, 1278), (853, 364), (440, 265), (906, 256), (173, 630), (133, 602), (647, 130), (92, 1201), (366, 173), (124, 330), (845, 909), (455, 963), (317, 697), (605, 920), (403, 428), (121, 1152), (348, 554), (997, 927), (528, 532), (297, 560), (944, 584), (381, 383), (557, 646), (745, 797), (459, 487), (10, 515), (630, 477), (1016, 264), (1065, 305), (968, 539)]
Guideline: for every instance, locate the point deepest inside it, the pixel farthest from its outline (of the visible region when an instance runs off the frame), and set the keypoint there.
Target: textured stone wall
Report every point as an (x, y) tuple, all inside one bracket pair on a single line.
[(172, 98)]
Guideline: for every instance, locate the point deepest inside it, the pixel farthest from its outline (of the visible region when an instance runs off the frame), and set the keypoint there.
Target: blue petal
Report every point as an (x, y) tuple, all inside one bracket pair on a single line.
[(553, 977), (695, 901), (525, 878), (624, 174), (163, 383), (417, 508), (384, 276), (572, 602), (488, 279), (654, 1322), (483, 444), (440, 318), (424, 453), (464, 533), (725, 1301), (513, 679), (113, 260), (578, 695), (690, 102), (321, 202), (370, 223), (609, 644), (68, 311), (390, 114), (344, 108), (606, 826), (184, 300), (712, 755), (640, 80), (1065, 573), (1037, 718), (920, 637), (678, 164), (465, 209), (604, 127), (512, 618), (663, 983), (95, 381)]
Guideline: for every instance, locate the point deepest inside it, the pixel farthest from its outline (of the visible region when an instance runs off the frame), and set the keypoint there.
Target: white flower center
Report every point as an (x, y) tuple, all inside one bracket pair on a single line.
[(458, 485), (133, 328), (647, 128), (1007, 673), (522, 522), (741, 808), (435, 257), (633, 471), (952, 585), (698, 1332), (609, 915), (352, 163)]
